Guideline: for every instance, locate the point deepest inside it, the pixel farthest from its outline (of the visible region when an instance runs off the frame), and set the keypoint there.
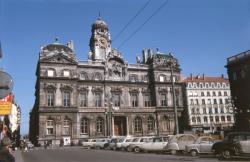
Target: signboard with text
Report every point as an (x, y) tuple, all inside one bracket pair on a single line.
[(5, 105)]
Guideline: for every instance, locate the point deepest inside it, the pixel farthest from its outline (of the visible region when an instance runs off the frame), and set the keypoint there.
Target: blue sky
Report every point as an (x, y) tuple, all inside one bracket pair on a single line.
[(200, 33)]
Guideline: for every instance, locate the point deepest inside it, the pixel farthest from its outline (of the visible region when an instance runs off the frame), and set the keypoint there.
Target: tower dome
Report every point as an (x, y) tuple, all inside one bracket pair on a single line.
[(99, 23)]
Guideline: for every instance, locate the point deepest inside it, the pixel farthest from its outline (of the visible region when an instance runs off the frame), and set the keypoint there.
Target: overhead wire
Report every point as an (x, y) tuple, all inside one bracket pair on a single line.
[(141, 26), (131, 20)]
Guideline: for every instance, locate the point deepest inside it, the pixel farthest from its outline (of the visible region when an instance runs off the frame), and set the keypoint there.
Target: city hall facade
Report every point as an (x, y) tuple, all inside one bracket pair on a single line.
[(103, 96)]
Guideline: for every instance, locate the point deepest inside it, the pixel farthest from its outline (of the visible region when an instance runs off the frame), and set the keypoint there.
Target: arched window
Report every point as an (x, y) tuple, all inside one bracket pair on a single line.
[(84, 126), (66, 127), (151, 123), (99, 125), (202, 94), (229, 118), (208, 93), (49, 127), (193, 120), (217, 119), (166, 124), (138, 124)]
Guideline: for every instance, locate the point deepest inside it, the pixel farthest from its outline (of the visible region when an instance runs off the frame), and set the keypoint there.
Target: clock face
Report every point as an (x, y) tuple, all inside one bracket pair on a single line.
[(102, 42)]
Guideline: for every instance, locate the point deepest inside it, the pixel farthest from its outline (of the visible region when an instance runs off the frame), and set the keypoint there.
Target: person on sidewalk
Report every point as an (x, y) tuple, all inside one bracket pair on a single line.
[(5, 151)]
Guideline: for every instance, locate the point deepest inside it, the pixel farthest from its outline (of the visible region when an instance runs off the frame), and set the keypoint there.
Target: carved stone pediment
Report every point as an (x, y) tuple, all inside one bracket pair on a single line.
[(83, 88), (49, 85), (97, 89), (59, 58), (162, 89), (116, 89), (133, 90), (66, 87)]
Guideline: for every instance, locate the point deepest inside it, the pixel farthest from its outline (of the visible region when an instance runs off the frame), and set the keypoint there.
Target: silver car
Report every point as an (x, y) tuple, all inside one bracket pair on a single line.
[(179, 142), (136, 143), (201, 145)]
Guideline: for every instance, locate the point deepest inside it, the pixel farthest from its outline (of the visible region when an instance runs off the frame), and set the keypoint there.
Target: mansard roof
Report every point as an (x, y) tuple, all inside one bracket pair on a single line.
[(203, 78)]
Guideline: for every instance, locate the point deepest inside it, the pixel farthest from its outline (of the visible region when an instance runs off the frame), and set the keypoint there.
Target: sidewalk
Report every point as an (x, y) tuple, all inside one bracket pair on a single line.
[(18, 156)]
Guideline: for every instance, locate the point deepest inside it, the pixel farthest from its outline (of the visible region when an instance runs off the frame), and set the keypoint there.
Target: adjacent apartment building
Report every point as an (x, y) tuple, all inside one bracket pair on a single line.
[(238, 68), (104, 95), (208, 103)]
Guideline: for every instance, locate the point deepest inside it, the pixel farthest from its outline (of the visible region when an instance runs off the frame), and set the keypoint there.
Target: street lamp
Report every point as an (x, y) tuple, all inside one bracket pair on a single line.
[(171, 62), (109, 113)]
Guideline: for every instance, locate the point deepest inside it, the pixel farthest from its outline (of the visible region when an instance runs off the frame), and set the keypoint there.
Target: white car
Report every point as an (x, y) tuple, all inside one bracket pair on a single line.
[(154, 144), (122, 141), (89, 143), (136, 143), (179, 142), (201, 145), (127, 142), (101, 143)]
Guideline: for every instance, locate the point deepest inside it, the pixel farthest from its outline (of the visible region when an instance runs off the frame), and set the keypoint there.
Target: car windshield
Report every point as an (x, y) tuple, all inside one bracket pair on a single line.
[(128, 140), (135, 139)]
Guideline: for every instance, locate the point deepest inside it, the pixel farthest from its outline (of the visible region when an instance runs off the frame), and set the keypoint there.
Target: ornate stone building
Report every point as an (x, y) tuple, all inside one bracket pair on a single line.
[(209, 106), (103, 96)]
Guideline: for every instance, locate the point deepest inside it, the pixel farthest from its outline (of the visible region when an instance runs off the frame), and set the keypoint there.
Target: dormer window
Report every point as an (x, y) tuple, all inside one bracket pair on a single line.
[(66, 73), (51, 73), (162, 78)]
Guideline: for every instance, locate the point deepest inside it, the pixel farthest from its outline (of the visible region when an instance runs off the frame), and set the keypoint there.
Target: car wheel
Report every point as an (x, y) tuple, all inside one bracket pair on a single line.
[(226, 154), (137, 149), (173, 152), (98, 147), (193, 153)]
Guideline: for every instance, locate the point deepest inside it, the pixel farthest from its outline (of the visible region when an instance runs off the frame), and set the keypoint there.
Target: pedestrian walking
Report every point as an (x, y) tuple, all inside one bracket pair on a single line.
[(5, 151)]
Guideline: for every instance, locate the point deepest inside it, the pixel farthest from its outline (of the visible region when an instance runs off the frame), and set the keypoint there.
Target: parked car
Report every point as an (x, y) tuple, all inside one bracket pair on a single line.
[(111, 144), (154, 144), (201, 145), (88, 143), (30, 145), (122, 141), (101, 143), (135, 144), (179, 142), (125, 144), (234, 144)]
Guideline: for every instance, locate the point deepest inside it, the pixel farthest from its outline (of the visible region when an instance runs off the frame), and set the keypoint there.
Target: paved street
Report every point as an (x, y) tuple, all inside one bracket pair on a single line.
[(81, 155)]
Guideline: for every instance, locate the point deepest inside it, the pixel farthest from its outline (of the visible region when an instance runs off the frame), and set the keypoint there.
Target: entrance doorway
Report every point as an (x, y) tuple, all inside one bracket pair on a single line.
[(120, 126)]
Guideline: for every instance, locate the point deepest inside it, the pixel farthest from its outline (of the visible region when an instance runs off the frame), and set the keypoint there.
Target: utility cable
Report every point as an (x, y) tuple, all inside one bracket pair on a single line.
[(147, 20), (131, 20)]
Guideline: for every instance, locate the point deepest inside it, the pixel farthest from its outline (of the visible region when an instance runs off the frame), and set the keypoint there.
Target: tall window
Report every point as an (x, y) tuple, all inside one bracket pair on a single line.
[(66, 98), (216, 119), (116, 100), (50, 127), (138, 124), (50, 98), (83, 99), (66, 127), (229, 118), (214, 94), (163, 100), (150, 123), (196, 102), (134, 100), (225, 93), (205, 119), (98, 100), (219, 93), (191, 102), (223, 118), (202, 94), (99, 125), (215, 101), (220, 101), (211, 119), (166, 124), (84, 126), (208, 93), (147, 100), (204, 111), (203, 102)]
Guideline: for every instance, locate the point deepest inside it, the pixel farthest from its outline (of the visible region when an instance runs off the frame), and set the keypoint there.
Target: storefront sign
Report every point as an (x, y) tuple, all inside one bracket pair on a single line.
[(5, 105)]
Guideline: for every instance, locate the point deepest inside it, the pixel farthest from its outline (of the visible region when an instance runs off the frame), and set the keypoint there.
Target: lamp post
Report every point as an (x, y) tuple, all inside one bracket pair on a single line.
[(171, 62), (109, 112)]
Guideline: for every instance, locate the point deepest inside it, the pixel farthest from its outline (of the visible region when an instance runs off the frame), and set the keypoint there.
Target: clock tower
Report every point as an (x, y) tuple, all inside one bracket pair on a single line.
[(100, 41)]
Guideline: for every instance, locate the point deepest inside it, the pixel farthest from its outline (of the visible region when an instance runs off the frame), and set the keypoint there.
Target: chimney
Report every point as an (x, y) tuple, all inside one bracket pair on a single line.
[(191, 76), (222, 76), (203, 76)]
